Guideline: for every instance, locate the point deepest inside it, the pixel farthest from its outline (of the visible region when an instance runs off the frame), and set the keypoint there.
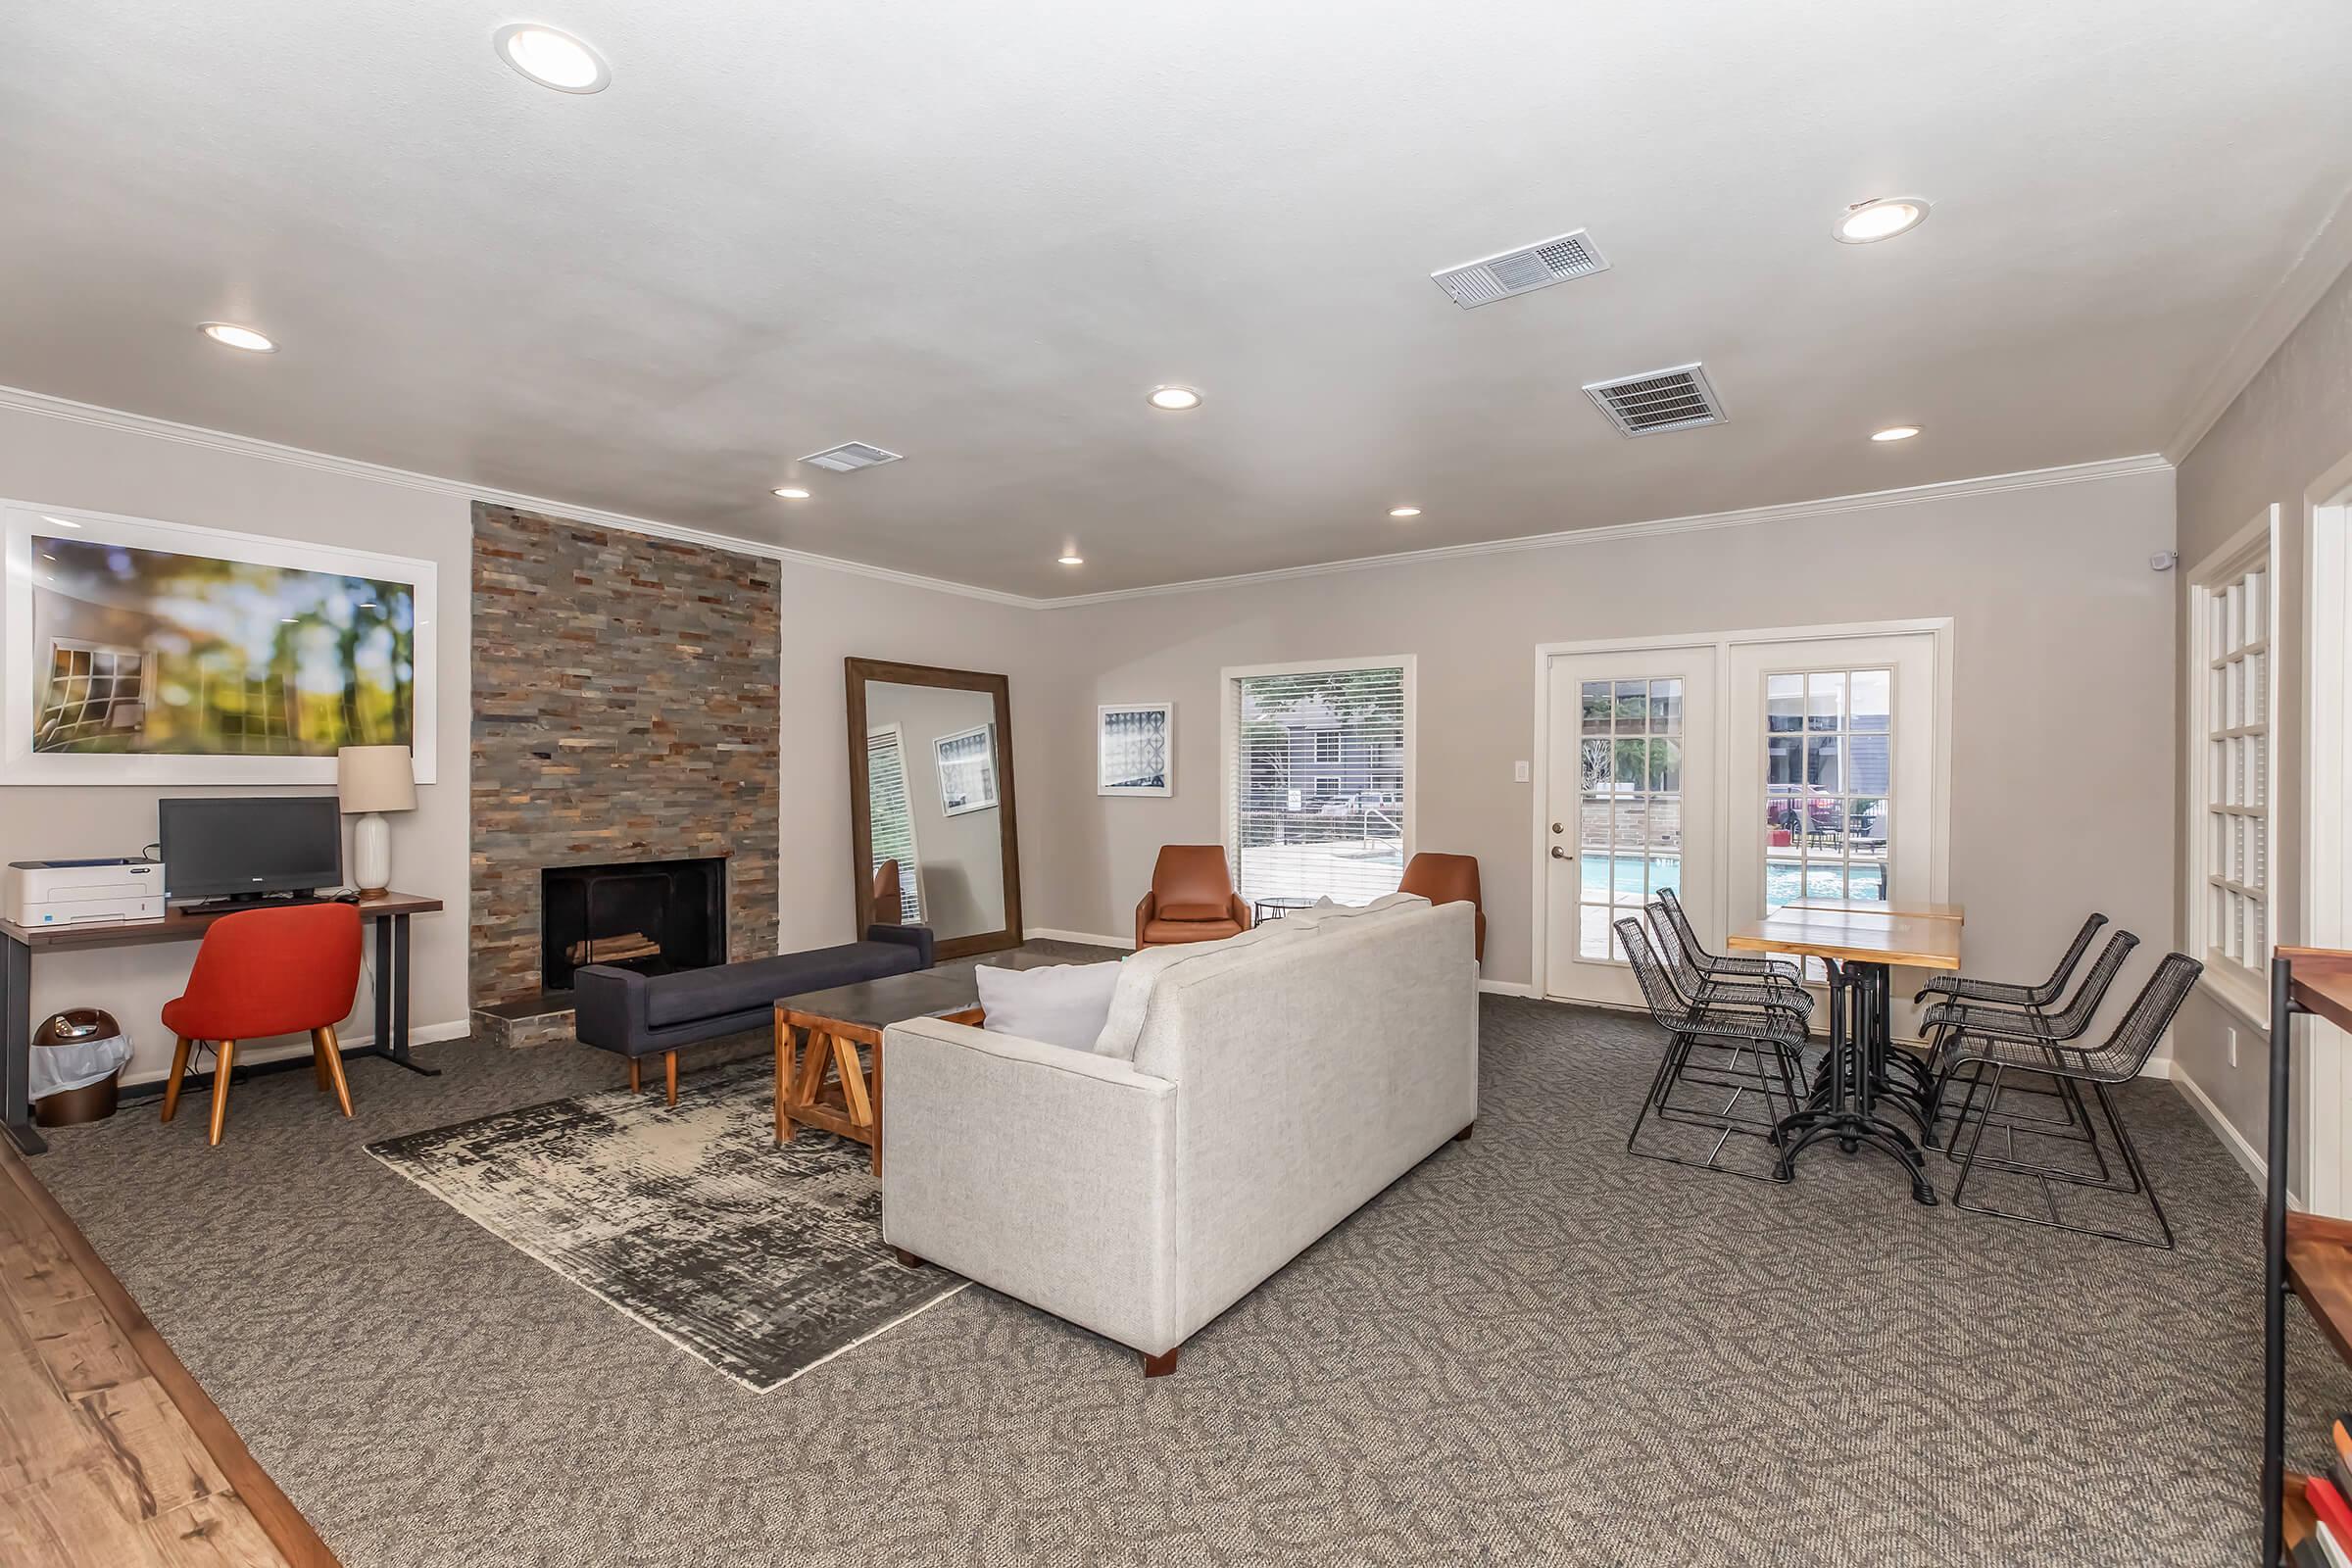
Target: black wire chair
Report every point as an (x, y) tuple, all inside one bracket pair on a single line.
[(1718, 966), (2127, 1050), (1682, 960), (1959, 988), (1948, 1024), (1710, 1048)]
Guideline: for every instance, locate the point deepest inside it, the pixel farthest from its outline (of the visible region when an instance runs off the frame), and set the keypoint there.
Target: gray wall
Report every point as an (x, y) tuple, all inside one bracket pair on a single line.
[(2063, 726), (2289, 428), (962, 858)]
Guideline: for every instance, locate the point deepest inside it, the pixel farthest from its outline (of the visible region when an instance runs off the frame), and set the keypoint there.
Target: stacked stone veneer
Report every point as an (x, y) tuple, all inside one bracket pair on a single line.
[(625, 708)]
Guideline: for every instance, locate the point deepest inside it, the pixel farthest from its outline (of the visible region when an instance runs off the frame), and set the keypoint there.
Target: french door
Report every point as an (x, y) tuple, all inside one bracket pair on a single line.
[(1631, 809), (1743, 771)]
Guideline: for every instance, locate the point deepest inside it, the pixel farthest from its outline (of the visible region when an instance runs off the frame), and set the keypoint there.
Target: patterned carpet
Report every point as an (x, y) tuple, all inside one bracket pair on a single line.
[(1531, 1350)]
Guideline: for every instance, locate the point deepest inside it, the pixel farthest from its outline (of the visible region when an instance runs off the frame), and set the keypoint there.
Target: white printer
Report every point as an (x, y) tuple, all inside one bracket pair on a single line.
[(56, 893)]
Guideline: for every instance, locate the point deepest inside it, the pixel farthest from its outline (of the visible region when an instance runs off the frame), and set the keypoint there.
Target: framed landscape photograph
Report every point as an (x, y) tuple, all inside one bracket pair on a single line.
[(134, 652), (967, 770), (1135, 749)]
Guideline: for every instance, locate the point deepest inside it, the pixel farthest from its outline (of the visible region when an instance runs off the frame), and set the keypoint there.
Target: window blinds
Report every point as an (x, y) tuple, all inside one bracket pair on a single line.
[(890, 819), (1318, 792)]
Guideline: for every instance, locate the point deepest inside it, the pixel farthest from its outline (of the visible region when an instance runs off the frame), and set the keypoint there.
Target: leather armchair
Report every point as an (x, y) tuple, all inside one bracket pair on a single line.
[(889, 905), (1191, 898), (1448, 879)]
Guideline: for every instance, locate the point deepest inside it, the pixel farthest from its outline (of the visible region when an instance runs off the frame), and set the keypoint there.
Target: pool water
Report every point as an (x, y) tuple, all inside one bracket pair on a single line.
[(1623, 876)]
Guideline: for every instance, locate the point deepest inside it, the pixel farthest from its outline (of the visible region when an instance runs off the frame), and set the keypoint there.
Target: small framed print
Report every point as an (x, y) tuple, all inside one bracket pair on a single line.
[(1135, 749)]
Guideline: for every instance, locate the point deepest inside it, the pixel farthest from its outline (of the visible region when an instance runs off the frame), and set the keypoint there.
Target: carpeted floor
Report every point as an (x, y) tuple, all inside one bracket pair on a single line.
[(1531, 1350)]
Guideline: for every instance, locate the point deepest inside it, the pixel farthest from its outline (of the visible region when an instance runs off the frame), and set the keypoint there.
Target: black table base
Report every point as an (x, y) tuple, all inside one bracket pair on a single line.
[(392, 998), (1859, 1078)]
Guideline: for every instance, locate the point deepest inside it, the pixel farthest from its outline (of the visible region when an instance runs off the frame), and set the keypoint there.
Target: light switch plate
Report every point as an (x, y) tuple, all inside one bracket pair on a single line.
[(1519, 772)]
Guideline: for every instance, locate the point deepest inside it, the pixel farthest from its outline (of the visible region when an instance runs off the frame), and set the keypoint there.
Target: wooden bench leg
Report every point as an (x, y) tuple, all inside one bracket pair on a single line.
[(1159, 1366), (670, 1075), (636, 1076)]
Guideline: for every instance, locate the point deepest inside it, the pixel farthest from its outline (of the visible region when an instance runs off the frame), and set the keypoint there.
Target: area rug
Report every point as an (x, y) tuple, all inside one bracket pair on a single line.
[(762, 1262)]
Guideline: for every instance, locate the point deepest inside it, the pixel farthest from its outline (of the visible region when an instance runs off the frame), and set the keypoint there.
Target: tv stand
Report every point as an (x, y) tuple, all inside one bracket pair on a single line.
[(388, 914)]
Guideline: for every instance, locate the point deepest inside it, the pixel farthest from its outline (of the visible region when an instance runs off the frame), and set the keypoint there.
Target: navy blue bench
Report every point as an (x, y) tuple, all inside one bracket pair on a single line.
[(637, 1015)]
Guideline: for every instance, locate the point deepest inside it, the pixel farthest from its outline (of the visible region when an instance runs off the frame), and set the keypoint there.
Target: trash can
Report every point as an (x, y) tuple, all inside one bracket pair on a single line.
[(77, 1061)]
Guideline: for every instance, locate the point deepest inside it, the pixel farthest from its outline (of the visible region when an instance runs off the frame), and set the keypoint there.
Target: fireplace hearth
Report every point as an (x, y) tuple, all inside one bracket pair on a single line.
[(654, 916)]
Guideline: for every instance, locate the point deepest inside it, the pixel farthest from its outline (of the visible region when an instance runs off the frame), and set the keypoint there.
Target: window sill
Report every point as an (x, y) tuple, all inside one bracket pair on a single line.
[(2238, 993)]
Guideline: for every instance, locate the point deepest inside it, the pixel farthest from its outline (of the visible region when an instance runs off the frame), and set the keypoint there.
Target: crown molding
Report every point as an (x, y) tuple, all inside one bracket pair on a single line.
[(41, 403), (1700, 522), (2324, 259), (55, 408)]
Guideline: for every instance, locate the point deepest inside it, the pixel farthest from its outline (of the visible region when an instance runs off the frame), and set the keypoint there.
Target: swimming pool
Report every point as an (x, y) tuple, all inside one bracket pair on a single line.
[(1623, 876)]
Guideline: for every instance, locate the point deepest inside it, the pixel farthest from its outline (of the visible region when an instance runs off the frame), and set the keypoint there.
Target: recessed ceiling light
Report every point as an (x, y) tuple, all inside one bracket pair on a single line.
[(1071, 558), (1173, 399), (1881, 217), (1895, 432), (1404, 512), (551, 59), (790, 493), (232, 335)]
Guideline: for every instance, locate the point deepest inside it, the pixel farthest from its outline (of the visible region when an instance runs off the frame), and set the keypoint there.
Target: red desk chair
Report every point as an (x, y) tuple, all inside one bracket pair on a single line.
[(268, 973)]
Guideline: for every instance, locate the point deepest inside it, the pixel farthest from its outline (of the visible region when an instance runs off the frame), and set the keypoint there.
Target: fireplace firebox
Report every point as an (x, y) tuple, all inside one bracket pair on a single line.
[(654, 916)]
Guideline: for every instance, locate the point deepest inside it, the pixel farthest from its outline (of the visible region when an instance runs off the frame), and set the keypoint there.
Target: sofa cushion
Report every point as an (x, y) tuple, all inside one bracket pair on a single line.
[(1140, 971), (1197, 911), (695, 994), (1178, 931), (1060, 1005), (1328, 910)]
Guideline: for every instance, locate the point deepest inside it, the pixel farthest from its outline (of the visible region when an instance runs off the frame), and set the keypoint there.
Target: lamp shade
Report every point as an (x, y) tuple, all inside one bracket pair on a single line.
[(376, 778)]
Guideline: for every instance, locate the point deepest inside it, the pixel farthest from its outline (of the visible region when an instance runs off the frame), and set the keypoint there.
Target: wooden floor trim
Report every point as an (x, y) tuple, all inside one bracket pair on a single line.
[(275, 1515)]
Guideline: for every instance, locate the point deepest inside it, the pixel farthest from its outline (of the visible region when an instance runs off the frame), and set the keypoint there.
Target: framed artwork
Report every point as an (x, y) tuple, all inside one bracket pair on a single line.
[(143, 653), (1135, 749), (967, 770)]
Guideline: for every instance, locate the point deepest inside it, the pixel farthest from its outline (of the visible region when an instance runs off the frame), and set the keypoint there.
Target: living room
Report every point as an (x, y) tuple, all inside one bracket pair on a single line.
[(1372, 696)]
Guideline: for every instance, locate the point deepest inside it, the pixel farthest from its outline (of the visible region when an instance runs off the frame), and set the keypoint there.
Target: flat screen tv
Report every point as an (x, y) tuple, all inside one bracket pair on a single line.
[(245, 846)]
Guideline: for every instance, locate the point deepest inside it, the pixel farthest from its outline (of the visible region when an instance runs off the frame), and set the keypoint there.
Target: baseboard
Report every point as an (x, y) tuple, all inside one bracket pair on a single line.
[(1506, 988), (1040, 933), (424, 1034), (2231, 1138)]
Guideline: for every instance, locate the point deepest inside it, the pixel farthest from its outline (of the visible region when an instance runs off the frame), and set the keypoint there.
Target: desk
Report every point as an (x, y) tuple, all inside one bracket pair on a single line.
[(17, 944), (1858, 945)]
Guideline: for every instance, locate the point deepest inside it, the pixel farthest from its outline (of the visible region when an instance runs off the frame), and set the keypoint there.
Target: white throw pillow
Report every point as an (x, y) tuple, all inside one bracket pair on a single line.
[(1138, 972), (1060, 1005), (1327, 910)]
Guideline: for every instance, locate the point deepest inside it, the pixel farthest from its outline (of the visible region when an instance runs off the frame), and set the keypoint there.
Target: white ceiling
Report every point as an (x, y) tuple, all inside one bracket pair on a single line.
[(978, 233)]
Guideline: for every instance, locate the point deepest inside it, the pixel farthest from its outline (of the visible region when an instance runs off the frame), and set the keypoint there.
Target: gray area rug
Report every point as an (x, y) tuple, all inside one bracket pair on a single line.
[(1531, 1350), (764, 1261)]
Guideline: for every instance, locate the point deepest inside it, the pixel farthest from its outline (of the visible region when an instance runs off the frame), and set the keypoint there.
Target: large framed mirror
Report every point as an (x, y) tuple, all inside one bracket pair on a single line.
[(931, 806)]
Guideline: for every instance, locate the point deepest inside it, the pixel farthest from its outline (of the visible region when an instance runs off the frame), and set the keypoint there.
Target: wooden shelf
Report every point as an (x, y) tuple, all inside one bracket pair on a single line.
[(2323, 982), (2295, 1518)]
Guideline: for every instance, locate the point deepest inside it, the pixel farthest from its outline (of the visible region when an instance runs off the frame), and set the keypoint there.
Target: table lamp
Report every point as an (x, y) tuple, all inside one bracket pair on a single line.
[(373, 780)]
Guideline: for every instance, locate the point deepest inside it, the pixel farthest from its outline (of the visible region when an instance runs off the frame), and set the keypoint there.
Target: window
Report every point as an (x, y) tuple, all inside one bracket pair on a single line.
[(2230, 619), (1318, 774), (892, 820), (1829, 753), (1628, 804)]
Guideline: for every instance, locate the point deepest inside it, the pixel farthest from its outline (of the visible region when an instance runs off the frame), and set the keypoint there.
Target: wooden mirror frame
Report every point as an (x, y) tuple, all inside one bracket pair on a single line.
[(856, 672)]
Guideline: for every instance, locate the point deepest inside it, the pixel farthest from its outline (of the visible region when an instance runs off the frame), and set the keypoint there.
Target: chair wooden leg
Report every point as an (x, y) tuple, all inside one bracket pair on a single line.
[(670, 1075), (180, 1067), (328, 1051), (636, 1076), (226, 1050), (318, 1064), (1159, 1366)]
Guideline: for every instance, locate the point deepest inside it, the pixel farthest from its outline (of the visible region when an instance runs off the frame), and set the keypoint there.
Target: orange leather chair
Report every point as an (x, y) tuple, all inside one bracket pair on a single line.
[(1191, 898), (1448, 879), (890, 905)]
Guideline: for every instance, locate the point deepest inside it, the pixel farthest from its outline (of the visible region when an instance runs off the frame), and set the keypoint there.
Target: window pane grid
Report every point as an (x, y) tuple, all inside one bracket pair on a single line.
[(1829, 754), (2238, 774), (1628, 803), (1318, 803)]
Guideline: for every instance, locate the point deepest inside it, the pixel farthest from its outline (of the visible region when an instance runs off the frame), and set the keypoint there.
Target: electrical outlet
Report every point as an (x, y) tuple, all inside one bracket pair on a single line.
[(1519, 772), (2234, 1048)]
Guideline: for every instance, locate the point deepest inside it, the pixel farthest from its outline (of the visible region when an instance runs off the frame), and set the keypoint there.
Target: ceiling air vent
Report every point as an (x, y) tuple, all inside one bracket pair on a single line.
[(850, 456), (1658, 401), (1519, 271)]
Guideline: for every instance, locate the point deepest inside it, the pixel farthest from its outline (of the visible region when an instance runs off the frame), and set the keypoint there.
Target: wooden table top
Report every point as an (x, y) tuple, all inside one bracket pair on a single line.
[(2323, 982), (1915, 942), (184, 924), (1954, 912)]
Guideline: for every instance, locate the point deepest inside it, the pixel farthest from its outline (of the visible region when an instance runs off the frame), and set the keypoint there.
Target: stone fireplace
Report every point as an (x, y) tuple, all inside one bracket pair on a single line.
[(624, 720)]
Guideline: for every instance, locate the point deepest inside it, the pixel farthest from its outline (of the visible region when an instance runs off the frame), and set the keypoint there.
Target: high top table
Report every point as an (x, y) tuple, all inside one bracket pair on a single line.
[(388, 912), (1858, 941)]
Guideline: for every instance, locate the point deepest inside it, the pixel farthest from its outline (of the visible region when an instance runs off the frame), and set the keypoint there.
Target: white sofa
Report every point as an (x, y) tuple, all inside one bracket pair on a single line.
[(1280, 1080)]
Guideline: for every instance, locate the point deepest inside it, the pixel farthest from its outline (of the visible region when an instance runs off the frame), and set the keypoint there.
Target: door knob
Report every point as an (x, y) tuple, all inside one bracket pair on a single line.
[(1558, 854)]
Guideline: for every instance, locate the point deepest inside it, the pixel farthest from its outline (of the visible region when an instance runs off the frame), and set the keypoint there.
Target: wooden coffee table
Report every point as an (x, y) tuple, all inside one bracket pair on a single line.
[(828, 1082)]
